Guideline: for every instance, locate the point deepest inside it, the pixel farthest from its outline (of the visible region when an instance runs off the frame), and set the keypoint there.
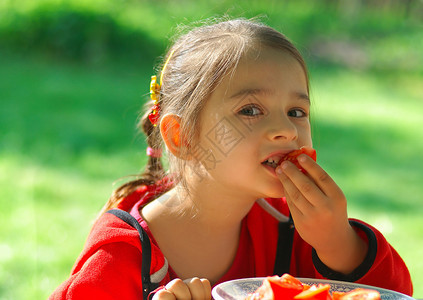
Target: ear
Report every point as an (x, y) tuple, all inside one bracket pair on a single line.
[(171, 134)]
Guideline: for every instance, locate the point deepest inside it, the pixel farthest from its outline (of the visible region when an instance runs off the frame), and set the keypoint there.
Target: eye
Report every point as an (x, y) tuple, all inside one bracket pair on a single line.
[(250, 110), (297, 113)]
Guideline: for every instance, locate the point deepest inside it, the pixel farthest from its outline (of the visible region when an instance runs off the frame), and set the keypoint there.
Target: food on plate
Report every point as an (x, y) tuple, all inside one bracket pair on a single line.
[(357, 294), (288, 287), (293, 156), (315, 292), (275, 287)]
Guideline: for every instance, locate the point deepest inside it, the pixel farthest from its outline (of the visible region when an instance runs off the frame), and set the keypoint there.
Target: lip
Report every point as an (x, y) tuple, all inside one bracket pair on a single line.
[(270, 169), (281, 154)]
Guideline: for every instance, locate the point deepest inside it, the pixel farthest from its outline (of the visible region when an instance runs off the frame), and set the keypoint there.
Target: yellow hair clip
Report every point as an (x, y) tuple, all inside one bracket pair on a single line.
[(155, 93), (154, 88)]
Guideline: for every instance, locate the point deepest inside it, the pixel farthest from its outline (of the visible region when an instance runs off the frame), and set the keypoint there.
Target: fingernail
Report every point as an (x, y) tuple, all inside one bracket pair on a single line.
[(279, 170), (302, 158)]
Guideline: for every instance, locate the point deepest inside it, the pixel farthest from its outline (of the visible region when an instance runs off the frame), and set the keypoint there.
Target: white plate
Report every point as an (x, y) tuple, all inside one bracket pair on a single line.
[(239, 289)]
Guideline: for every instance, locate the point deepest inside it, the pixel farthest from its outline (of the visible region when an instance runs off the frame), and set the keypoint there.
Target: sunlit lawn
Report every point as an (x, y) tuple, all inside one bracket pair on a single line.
[(67, 132), (370, 137)]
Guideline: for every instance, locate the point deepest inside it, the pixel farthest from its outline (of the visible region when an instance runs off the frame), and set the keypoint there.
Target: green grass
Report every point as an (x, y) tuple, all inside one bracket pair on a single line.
[(68, 134), (67, 125), (368, 135)]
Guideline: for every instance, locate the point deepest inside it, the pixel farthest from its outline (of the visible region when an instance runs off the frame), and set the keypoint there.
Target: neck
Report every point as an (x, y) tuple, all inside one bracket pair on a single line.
[(195, 229), (209, 203), (210, 207)]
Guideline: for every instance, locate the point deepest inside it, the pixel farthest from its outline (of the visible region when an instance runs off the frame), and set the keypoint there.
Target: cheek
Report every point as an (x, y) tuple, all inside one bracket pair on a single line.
[(223, 136), (230, 158), (304, 135), (242, 158)]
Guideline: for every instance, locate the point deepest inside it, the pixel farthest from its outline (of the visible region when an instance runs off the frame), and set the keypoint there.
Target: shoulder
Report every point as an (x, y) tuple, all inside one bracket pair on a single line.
[(108, 230), (111, 261), (112, 271), (120, 239), (111, 229)]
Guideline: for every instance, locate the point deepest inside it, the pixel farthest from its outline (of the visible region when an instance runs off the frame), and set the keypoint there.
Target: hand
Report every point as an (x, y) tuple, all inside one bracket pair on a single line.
[(189, 289), (319, 210)]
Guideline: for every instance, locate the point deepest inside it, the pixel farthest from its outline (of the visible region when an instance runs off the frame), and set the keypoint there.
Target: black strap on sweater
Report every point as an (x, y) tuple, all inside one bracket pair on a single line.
[(283, 251), (284, 247), (147, 285)]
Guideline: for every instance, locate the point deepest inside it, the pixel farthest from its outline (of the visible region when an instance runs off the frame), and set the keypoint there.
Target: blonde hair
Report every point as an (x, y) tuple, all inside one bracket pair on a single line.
[(199, 61)]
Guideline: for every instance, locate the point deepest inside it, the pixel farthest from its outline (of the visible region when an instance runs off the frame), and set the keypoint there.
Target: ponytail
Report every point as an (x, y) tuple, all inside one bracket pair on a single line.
[(153, 172)]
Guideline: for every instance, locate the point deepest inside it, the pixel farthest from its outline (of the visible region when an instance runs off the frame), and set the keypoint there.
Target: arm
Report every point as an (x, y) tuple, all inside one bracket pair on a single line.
[(382, 266), (112, 272), (360, 252), (319, 210)]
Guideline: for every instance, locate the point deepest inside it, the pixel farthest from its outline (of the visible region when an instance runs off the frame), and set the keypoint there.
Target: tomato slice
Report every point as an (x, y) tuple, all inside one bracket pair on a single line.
[(337, 295), (290, 280), (275, 287), (288, 287), (293, 156), (285, 287), (361, 294), (315, 292), (265, 291)]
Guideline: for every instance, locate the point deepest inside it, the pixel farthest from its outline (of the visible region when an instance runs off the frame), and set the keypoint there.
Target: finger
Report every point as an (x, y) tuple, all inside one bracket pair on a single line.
[(292, 194), (298, 187), (326, 184), (294, 210), (179, 289), (207, 287), (164, 295), (195, 287), (200, 288)]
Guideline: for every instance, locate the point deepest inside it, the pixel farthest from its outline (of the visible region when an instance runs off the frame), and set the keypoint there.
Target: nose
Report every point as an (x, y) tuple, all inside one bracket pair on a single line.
[(281, 128)]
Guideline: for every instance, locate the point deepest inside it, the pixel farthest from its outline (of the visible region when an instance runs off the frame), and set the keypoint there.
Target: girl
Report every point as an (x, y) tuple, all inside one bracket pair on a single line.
[(232, 101)]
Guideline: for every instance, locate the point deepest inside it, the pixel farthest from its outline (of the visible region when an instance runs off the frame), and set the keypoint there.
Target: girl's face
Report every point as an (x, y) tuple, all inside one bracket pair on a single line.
[(253, 118)]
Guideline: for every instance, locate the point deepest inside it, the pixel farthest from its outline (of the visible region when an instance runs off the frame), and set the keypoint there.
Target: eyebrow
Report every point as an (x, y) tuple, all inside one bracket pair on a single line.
[(303, 96), (250, 92), (254, 92)]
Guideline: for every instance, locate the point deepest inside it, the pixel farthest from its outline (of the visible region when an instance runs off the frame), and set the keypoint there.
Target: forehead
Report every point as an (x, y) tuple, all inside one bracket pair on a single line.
[(267, 71)]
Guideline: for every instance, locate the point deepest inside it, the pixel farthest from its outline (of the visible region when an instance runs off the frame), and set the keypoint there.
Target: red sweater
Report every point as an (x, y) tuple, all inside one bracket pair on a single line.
[(109, 266)]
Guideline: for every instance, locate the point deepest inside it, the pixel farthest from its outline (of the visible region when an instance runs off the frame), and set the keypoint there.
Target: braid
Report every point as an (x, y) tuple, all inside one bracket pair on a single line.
[(153, 172), (154, 168)]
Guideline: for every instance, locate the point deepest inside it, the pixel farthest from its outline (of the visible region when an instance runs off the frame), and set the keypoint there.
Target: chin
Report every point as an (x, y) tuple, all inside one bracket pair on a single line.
[(274, 193)]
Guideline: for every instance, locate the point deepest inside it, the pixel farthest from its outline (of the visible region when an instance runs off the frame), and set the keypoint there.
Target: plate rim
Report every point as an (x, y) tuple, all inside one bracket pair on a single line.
[(316, 280)]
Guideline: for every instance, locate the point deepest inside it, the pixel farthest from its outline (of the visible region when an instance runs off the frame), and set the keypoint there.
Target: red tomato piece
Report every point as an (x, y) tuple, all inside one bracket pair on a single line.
[(275, 288), (315, 292), (361, 294), (263, 292), (337, 295), (285, 287), (288, 287), (293, 156), (290, 280)]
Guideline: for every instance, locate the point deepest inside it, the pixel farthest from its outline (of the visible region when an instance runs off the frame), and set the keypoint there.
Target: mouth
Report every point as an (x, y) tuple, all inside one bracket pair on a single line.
[(274, 160)]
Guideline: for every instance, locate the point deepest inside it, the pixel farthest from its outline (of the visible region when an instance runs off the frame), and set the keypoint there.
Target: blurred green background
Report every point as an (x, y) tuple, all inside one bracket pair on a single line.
[(74, 75)]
